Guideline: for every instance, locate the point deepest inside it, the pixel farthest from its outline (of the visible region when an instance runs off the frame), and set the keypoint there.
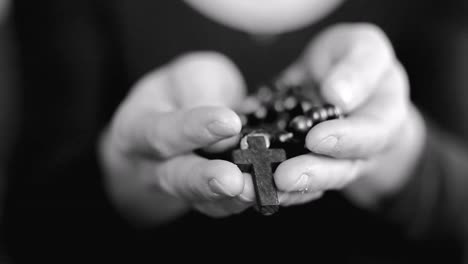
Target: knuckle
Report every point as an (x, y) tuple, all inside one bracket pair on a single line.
[(375, 36)]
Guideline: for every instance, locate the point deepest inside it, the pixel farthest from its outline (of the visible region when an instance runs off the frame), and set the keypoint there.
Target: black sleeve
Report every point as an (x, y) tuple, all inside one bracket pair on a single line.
[(434, 203), (8, 107)]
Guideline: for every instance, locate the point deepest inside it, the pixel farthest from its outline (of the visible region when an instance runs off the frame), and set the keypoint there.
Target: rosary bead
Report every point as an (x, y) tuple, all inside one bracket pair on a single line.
[(264, 94), (290, 103), (338, 113), (285, 137), (301, 124), (261, 113), (330, 111), (323, 114), (278, 106), (282, 122), (333, 111), (282, 115), (306, 106), (314, 114)]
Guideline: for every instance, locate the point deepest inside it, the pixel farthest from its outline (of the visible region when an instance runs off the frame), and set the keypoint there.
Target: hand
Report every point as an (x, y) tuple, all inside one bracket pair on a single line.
[(152, 173), (378, 144)]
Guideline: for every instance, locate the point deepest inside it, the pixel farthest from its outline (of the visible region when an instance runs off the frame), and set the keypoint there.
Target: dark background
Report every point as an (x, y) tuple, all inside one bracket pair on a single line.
[(77, 59)]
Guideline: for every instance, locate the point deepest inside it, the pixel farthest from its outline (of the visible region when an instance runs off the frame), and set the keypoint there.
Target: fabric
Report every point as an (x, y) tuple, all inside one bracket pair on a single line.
[(9, 110), (80, 58)]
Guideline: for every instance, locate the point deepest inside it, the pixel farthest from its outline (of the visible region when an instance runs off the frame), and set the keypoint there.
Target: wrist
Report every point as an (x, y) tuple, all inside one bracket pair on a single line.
[(386, 174)]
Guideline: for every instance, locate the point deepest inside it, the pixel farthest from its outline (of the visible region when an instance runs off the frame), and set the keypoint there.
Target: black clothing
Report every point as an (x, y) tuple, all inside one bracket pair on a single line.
[(79, 58)]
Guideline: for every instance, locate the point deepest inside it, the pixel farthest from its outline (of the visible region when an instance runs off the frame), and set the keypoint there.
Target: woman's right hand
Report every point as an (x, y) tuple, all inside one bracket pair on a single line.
[(147, 151)]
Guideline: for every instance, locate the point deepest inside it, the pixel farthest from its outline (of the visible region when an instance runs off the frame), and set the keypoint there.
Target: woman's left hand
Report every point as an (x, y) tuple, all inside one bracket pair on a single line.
[(371, 152)]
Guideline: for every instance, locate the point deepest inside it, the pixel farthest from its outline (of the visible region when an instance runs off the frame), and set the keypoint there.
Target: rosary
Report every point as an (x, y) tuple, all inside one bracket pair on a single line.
[(275, 131)]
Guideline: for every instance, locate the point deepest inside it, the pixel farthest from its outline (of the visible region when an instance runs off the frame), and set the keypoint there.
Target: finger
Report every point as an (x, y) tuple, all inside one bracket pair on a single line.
[(205, 78), (298, 198), (195, 79), (192, 178), (371, 128), (348, 61), (229, 206), (222, 208), (295, 74), (248, 193), (223, 145), (165, 134), (190, 81), (249, 105), (315, 173)]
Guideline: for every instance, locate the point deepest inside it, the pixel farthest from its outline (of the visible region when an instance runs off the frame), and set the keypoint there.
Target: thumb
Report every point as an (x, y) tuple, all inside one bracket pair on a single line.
[(347, 61)]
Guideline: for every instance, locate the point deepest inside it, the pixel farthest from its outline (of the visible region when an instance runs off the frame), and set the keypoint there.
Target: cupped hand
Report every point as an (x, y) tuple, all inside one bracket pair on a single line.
[(374, 149), (147, 151)]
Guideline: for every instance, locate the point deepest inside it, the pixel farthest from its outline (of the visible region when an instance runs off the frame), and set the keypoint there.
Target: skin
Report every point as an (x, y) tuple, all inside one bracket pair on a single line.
[(153, 176)]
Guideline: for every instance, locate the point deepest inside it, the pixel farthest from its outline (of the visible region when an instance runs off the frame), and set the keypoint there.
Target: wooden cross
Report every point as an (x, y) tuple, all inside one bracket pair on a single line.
[(257, 159)]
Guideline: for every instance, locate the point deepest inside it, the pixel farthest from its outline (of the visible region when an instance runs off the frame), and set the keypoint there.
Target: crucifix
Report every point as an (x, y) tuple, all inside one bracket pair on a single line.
[(284, 115), (255, 157)]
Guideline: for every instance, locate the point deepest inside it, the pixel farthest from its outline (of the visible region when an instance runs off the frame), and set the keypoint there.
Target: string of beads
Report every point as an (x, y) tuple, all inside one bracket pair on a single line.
[(285, 113)]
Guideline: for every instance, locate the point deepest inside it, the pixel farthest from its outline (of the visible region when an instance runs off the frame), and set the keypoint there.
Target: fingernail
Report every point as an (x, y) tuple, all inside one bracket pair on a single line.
[(302, 183), (326, 145), (222, 129), (218, 189)]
